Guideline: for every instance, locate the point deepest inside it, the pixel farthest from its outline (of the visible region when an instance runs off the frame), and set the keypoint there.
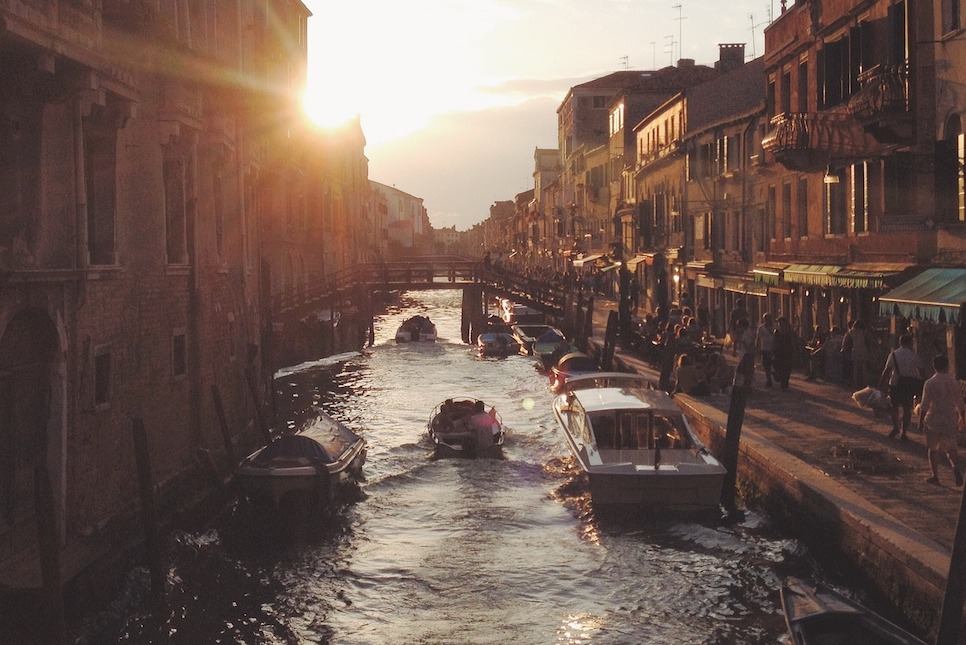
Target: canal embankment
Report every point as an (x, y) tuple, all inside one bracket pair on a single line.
[(825, 471)]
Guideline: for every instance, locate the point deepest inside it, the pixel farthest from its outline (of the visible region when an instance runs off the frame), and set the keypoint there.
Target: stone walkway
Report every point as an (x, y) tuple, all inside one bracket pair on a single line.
[(819, 424)]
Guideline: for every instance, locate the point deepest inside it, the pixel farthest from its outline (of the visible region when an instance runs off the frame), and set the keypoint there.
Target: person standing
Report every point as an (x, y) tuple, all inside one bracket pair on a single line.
[(784, 351), (902, 368), (942, 413), (737, 314), (765, 342)]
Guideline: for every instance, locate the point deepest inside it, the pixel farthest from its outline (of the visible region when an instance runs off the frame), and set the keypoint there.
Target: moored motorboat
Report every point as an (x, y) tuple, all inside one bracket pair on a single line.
[(549, 347), (635, 445), (463, 427), (497, 343), (528, 334), (816, 613), (310, 465), (569, 365), (515, 313), (416, 329)]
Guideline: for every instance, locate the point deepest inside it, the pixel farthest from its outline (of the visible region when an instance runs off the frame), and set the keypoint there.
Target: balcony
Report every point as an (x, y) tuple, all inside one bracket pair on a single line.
[(809, 142), (881, 105)]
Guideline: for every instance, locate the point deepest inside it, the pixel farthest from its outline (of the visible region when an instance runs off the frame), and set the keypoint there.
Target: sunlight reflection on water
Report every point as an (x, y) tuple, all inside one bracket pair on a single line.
[(453, 551)]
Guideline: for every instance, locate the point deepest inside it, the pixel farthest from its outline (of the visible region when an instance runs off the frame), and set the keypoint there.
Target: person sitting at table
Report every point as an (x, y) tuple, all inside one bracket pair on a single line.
[(689, 379), (718, 373)]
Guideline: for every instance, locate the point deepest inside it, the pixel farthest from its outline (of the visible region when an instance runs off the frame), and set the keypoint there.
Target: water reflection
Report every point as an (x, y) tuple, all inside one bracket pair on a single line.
[(462, 551)]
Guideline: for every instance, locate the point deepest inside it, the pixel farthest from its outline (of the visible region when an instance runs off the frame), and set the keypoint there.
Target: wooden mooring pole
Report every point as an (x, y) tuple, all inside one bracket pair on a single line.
[(223, 424), (951, 617), (149, 510), (740, 389)]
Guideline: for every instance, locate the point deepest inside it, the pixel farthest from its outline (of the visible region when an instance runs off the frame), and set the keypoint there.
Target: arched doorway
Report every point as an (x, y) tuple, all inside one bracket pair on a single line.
[(31, 388)]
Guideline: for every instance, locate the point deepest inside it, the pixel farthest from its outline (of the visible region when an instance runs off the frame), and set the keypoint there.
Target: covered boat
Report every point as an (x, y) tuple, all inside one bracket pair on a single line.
[(527, 334), (463, 427), (549, 347), (816, 613), (415, 329), (635, 445), (498, 343), (306, 466), (569, 365)]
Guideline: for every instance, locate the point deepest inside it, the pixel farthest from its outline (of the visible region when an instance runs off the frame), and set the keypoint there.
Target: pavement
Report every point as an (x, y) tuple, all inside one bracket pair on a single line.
[(823, 446)]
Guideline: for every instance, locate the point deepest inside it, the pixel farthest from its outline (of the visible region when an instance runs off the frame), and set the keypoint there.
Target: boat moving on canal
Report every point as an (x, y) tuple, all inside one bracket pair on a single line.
[(416, 329), (816, 613), (635, 445), (310, 465), (462, 427)]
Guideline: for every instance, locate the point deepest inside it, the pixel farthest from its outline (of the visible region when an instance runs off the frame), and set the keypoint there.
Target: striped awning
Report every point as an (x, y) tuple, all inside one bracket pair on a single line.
[(587, 259), (817, 274), (742, 285), (935, 294)]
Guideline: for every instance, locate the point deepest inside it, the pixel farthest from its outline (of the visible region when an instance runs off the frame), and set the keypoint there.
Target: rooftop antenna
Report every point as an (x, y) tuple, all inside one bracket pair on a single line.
[(680, 31), (624, 61), (753, 27), (669, 47)]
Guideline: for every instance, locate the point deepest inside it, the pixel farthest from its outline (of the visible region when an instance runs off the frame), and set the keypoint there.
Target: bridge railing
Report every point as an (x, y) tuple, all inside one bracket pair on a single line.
[(417, 273)]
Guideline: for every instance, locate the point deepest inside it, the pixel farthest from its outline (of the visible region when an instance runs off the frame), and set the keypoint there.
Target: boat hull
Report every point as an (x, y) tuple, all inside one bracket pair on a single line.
[(454, 435)]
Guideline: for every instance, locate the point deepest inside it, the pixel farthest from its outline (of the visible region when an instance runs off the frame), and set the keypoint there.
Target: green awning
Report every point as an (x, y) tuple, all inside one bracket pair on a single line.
[(817, 274), (934, 294), (867, 275)]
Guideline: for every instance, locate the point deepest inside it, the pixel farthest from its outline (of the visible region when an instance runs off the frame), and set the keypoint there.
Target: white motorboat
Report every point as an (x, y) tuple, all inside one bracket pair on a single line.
[(463, 427), (498, 343), (308, 466), (635, 445), (416, 329)]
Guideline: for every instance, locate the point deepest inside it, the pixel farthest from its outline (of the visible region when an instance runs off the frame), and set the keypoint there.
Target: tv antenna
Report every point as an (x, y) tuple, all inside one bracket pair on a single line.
[(669, 47), (681, 20), (625, 59), (753, 28)]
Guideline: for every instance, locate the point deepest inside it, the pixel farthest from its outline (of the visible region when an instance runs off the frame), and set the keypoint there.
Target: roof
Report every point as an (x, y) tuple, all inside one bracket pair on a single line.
[(732, 94), (622, 398), (935, 294)]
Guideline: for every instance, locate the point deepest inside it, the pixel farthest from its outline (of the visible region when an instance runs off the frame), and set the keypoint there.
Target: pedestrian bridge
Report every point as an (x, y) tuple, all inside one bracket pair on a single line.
[(354, 285)]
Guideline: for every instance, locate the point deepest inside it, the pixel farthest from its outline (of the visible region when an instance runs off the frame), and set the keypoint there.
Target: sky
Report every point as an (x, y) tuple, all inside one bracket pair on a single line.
[(454, 96)]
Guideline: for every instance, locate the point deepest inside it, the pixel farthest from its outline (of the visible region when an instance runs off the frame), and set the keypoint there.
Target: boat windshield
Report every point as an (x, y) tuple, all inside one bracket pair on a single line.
[(626, 430)]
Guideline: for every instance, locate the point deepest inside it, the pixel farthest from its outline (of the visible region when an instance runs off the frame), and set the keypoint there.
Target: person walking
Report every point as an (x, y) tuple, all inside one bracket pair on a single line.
[(783, 350), (902, 373), (765, 342), (942, 413)]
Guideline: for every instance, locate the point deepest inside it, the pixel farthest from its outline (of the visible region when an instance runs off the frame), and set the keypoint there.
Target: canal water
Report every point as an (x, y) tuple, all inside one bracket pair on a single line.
[(455, 551)]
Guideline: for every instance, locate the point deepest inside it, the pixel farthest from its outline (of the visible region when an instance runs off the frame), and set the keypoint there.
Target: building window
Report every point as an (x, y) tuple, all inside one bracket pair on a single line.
[(600, 102), (771, 215), (175, 210), (951, 17), (802, 208), (835, 203), (803, 86), (179, 354), (102, 377), (859, 211), (100, 151), (786, 211), (786, 92)]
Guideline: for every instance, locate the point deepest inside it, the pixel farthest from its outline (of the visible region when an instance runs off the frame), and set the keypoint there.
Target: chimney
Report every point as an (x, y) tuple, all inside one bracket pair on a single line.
[(730, 56), (685, 62)]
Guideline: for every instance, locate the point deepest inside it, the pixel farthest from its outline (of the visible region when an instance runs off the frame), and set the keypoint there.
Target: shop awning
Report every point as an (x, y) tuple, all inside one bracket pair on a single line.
[(611, 267), (769, 272), (934, 294), (587, 259), (637, 259), (817, 274), (708, 282), (867, 275), (741, 285)]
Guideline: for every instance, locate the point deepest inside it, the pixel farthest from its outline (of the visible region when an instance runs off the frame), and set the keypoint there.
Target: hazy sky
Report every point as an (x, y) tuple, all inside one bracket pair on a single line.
[(455, 95)]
